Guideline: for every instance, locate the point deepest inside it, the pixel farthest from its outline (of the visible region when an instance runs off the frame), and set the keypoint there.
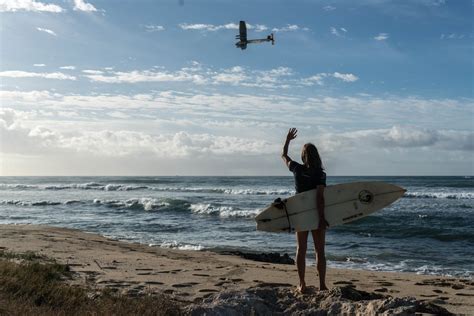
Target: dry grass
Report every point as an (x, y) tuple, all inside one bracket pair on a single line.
[(34, 285)]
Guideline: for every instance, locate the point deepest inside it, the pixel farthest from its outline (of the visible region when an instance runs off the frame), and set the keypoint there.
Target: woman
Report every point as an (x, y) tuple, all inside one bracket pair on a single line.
[(308, 176)]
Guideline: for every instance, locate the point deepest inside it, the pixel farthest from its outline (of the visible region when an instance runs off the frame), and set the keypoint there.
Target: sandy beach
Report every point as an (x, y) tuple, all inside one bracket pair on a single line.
[(199, 276)]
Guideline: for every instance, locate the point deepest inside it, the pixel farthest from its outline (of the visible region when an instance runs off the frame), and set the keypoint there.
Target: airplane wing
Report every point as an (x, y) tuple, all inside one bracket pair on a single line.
[(243, 31)]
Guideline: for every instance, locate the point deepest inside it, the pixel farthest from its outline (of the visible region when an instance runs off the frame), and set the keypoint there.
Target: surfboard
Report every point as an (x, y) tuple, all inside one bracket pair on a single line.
[(344, 203)]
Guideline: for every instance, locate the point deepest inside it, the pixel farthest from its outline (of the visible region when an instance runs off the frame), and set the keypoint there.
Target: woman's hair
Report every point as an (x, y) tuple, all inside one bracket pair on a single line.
[(310, 157)]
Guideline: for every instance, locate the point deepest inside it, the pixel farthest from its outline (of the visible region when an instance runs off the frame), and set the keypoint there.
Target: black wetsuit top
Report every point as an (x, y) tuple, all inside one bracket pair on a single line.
[(306, 179)]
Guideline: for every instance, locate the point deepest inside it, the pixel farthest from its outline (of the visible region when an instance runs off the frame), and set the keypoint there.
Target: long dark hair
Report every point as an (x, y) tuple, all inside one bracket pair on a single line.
[(310, 157)]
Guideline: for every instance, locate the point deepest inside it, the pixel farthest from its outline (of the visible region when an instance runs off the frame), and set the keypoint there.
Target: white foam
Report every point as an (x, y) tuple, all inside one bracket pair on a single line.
[(175, 245), (222, 211), (463, 195)]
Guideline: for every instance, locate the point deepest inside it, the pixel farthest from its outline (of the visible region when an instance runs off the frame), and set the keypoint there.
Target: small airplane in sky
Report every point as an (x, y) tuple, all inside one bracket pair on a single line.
[(243, 41)]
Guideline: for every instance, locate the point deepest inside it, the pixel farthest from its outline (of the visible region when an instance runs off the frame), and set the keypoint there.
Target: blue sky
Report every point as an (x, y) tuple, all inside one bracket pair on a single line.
[(157, 87)]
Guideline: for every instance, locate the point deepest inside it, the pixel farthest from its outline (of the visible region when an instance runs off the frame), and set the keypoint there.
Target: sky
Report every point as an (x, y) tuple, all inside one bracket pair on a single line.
[(157, 87)]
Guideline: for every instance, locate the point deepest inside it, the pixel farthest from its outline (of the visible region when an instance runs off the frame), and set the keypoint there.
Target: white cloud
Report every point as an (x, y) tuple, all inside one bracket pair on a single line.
[(209, 27), (230, 78), (435, 3), (154, 28), (68, 67), (39, 65), (398, 137), (118, 114), (46, 31), (343, 29), (319, 78), (260, 28), (334, 31), (112, 143), (280, 77), (452, 36), (316, 79), (234, 26), (93, 72), (345, 77), (290, 28), (46, 75), (81, 5), (383, 150), (381, 37), (329, 8), (136, 76), (28, 5)]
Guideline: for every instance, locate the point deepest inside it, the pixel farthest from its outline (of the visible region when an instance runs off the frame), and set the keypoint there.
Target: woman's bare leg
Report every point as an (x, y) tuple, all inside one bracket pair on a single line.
[(319, 238), (302, 239)]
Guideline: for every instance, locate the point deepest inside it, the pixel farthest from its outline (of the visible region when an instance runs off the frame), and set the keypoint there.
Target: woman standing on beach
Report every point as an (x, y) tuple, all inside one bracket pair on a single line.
[(308, 176)]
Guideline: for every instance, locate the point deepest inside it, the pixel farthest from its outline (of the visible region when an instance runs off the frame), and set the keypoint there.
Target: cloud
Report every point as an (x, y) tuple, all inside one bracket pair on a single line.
[(435, 3), (209, 27), (383, 150), (345, 77), (334, 31), (46, 75), (137, 76), (381, 37), (234, 26), (316, 79), (93, 72), (28, 5), (329, 8), (260, 28), (452, 36), (46, 31), (154, 28), (113, 143), (81, 5), (68, 67), (319, 78), (398, 137), (290, 28), (337, 31), (280, 77), (39, 65)]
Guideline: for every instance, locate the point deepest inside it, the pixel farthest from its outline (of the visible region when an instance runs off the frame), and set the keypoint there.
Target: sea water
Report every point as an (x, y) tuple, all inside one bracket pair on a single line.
[(430, 230)]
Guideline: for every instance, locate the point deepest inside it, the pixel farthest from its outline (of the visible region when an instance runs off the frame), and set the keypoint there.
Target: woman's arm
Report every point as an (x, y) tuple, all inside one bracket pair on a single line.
[(320, 206), (291, 135)]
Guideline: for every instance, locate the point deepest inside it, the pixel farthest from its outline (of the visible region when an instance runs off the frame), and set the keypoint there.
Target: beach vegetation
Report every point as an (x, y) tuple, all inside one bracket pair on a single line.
[(31, 284)]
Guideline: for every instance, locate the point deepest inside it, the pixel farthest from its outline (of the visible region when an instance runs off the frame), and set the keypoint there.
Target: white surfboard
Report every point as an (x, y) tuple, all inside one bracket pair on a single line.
[(344, 203)]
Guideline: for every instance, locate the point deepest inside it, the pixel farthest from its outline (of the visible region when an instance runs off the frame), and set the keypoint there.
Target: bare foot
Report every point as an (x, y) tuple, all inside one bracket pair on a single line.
[(323, 288), (301, 288)]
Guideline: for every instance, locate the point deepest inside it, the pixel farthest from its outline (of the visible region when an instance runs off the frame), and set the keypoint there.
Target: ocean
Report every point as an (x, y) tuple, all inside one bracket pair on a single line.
[(428, 231)]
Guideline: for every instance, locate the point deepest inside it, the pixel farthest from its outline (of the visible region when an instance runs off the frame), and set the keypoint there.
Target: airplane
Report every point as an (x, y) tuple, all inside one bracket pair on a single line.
[(242, 37)]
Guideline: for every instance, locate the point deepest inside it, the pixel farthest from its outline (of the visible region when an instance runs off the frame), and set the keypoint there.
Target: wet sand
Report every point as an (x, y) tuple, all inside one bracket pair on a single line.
[(197, 276)]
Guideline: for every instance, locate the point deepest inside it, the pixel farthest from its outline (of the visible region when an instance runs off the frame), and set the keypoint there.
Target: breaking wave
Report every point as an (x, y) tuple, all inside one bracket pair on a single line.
[(440, 195), (149, 205), (222, 211), (123, 187)]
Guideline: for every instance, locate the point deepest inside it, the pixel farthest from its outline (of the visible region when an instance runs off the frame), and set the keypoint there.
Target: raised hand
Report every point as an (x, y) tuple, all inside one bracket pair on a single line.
[(292, 133)]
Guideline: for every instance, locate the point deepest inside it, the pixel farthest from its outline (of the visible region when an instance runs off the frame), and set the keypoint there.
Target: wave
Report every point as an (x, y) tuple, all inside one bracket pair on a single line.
[(222, 211), (440, 195), (144, 204), (124, 187), (150, 205), (176, 245), (29, 203)]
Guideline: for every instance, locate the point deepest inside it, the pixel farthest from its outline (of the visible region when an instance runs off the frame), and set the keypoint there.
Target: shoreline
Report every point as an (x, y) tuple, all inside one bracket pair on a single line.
[(194, 276)]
